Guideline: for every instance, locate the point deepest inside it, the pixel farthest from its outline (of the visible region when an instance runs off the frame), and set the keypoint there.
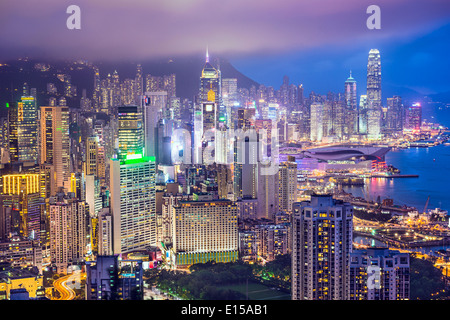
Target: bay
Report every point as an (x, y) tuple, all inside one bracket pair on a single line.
[(431, 164)]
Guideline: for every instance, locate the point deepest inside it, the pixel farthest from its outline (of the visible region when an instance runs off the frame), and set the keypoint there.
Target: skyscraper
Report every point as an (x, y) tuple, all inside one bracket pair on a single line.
[(132, 186), (92, 163), (287, 192), (67, 232), (55, 142), (413, 119), (153, 104), (131, 137), (210, 80), (316, 122), (362, 115), (322, 243), (351, 105), (374, 94), (133, 204), (395, 114), (20, 193), (23, 130)]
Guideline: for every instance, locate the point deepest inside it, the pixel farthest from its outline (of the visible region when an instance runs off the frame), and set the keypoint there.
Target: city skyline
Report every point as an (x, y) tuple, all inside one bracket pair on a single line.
[(224, 151)]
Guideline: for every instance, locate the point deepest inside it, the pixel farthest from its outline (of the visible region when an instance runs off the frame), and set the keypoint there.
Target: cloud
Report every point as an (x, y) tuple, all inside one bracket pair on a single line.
[(139, 29)]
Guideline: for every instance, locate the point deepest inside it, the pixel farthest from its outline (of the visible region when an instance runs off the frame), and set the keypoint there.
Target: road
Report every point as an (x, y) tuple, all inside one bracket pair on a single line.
[(65, 285)]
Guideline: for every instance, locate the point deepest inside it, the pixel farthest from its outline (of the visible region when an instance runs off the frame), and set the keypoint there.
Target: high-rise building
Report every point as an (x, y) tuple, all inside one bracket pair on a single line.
[(321, 247), (23, 132), (230, 97), (21, 195), (210, 84), (413, 118), (109, 278), (351, 105), (272, 240), (105, 233), (132, 186), (203, 231), (374, 94), (379, 274), (287, 192), (267, 192), (395, 114), (245, 168), (55, 143), (139, 81), (92, 161), (316, 133), (362, 115), (131, 132), (153, 105), (68, 232)]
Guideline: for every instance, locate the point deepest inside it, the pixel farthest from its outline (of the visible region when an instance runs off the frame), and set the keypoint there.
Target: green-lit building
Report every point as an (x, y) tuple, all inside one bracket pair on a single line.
[(132, 187)]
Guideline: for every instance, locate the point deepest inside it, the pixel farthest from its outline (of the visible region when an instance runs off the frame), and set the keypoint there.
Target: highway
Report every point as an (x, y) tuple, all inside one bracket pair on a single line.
[(65, 285)]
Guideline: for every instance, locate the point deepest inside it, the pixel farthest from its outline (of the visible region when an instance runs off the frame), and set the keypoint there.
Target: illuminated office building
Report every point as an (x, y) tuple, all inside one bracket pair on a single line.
[(351, 105), (21, 253), (92, 161), (204, 231), (362, 115), (133, 203), (105, 232), (229, 92), (272, 240), (153, 104), (374, 94), (23, 135), (21, 205), (68, 232), (413, 119), (245, 167), (131, 132), (287, 191), (55, 143), (210, 80), (109, 278), (395, 113), (230, 99), (316, 133), (132, 187), (267, 194), (321, 247)]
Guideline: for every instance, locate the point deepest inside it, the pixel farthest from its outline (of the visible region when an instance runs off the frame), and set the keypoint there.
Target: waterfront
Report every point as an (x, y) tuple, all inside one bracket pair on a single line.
[(433, 170), (368, 241), (432, 165)]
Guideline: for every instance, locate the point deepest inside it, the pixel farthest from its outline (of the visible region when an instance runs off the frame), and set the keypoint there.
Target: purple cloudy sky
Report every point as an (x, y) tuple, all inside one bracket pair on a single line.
[(237, 29), (148, 28)]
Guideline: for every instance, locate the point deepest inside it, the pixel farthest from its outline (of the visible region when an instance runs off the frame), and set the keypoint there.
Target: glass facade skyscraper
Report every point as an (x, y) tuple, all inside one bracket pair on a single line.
[(131, 132), (374, 94)]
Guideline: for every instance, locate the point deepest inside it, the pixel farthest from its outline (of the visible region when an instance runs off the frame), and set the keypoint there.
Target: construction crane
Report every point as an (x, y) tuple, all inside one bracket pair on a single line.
[(426, 205)]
